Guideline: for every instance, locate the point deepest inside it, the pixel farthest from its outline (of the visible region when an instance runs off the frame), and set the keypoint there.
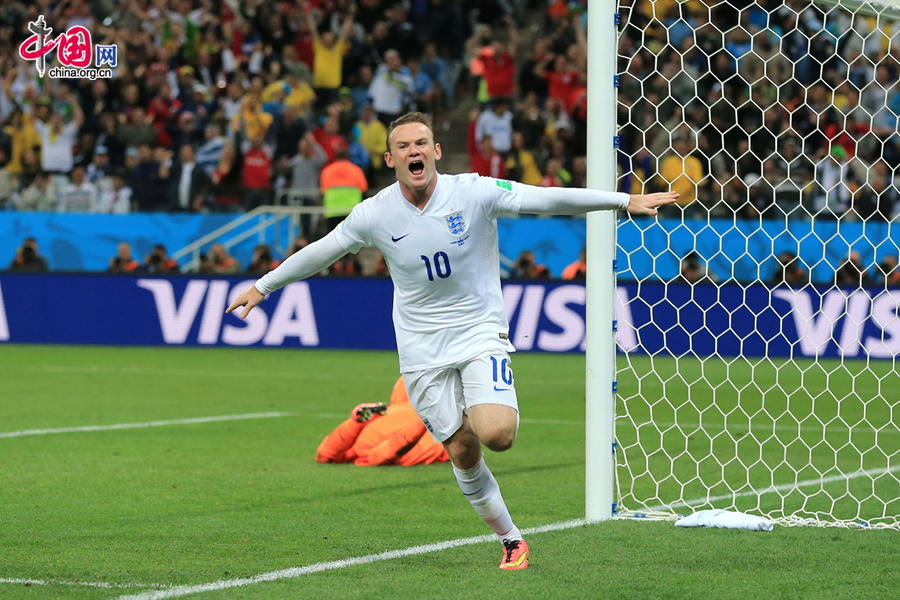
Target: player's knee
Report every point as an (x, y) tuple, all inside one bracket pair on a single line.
[(499, 439)]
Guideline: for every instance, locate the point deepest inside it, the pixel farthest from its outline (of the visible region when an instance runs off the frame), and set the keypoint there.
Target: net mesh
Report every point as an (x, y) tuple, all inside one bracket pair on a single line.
[(759, 318)]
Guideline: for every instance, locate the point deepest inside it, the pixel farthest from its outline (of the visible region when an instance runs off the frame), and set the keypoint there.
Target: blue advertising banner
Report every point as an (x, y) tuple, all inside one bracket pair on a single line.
[(701, 320), (649, 249)]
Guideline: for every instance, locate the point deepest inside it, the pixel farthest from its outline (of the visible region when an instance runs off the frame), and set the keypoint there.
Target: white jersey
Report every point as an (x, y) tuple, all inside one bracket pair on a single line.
[(445, 264)]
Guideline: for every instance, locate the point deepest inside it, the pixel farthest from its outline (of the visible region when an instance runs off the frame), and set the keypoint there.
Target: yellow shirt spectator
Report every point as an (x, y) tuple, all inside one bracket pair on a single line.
[(327, 64), (682, 175), (23, 136), (255, 121), (373, 136)]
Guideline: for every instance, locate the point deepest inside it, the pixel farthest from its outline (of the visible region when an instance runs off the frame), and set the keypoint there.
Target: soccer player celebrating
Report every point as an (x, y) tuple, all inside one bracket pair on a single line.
[(438, 234)]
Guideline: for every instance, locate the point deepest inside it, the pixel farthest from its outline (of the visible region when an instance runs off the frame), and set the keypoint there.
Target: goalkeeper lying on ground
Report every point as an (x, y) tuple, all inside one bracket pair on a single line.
[(376, 434)]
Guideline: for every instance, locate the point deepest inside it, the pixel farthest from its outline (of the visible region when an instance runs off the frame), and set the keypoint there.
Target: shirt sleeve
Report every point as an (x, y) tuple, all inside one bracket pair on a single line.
[(300, 265), (353, 232), (568, 201), (502, 198)]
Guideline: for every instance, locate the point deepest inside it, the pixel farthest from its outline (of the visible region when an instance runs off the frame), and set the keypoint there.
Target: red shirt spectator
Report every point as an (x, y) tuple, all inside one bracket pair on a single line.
[(483, 159), (329, 139), (257, 170), (499, 72)]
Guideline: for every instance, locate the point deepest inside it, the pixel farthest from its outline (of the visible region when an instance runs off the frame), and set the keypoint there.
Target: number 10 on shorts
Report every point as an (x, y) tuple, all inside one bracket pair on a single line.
[(502, 372)]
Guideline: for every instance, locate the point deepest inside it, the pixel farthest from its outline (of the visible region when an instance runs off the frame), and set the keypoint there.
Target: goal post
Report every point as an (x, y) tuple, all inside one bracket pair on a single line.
[(759, 322), (600, 344)]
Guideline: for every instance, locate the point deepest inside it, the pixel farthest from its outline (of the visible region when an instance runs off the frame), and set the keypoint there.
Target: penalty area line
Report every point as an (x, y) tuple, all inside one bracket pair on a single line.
[(293, 572), (116, 426)]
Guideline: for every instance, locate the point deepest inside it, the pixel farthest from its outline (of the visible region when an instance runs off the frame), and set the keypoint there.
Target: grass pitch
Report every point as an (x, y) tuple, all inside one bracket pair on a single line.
[(196, 503)]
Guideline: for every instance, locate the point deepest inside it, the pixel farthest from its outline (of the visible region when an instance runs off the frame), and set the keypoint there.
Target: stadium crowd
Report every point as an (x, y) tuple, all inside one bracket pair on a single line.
[(219, 105), (772, 109)]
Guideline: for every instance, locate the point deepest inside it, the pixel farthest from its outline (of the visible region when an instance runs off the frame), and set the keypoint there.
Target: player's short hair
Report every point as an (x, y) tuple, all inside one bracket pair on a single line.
[(411, 117)]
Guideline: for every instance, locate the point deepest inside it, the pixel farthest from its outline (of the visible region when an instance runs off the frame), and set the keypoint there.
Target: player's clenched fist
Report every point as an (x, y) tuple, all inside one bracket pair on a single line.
[(248, 299)]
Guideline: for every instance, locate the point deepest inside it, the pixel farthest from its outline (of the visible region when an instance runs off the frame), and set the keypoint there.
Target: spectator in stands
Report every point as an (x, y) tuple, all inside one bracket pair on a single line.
[(682, 171), (58, 139), (555, 174), (116, 200), (123, 262), (99, 170), (789, 272), (691, 271), (346, 266), (424, 88), (329, 138), (27, 258), (109, 138), (136, 128), (210, 152), (392, 88), (526, 267), (483, 159), (23, 136), (306, 165), (888, 272), (226, 180), (372, 134), (343, 185), (852, 274), (329, 52), (251, 121), (221, 262), (143, 179), (578, 269), (41, 195), (158, 261), (262, 261), (877, 200), (256, 175), (500, 65), (187, 183), (79, 195), (497, 123), (289, 129)]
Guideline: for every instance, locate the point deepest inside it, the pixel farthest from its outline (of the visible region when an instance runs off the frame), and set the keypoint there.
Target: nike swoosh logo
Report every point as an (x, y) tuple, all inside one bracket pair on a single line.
[(496, 389), (393, 239)]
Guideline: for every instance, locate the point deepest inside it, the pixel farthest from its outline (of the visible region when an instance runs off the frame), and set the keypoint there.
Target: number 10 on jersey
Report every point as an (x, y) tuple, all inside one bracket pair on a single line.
[(441, 265)]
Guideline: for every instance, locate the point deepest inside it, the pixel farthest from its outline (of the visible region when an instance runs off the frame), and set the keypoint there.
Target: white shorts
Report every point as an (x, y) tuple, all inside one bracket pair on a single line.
[(441, 396)]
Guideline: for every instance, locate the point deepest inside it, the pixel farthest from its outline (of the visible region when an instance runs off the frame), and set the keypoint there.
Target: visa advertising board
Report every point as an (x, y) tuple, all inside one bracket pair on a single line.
[(356, 313)]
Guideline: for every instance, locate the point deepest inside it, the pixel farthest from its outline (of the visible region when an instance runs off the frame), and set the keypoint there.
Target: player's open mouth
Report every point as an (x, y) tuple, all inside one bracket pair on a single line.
[(416, 167)]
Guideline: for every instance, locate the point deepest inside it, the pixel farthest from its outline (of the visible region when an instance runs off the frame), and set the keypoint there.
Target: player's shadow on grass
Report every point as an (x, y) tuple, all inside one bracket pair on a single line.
[(443, 480)]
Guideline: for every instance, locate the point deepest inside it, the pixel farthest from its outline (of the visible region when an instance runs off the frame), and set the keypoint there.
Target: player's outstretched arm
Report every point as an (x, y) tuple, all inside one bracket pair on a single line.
[(648, 204), (300, 265), (578, 201)]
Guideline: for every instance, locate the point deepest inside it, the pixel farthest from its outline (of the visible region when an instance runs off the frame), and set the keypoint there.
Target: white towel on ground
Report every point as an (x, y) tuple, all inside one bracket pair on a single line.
[(728, 519)]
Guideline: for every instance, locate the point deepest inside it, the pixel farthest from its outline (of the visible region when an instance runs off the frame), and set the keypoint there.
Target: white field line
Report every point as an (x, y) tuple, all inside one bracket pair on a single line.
[(776, 488), (830, 429), (115, 426), (94, 584), (224, 584)]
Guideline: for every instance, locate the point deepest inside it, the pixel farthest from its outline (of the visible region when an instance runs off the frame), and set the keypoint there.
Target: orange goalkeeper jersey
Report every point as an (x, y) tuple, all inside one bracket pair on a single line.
[(396, 438)]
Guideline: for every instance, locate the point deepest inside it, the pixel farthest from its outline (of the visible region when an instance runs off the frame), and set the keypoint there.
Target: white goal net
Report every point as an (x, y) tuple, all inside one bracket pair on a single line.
[(759, 320)]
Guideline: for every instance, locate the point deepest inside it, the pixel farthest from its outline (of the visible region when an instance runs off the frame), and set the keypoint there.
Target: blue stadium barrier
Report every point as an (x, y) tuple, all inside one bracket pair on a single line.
[(326, 313), (76, 242)]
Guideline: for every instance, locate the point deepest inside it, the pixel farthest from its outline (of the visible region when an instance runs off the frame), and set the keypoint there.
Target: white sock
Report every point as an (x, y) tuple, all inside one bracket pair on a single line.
[(480, 487)]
